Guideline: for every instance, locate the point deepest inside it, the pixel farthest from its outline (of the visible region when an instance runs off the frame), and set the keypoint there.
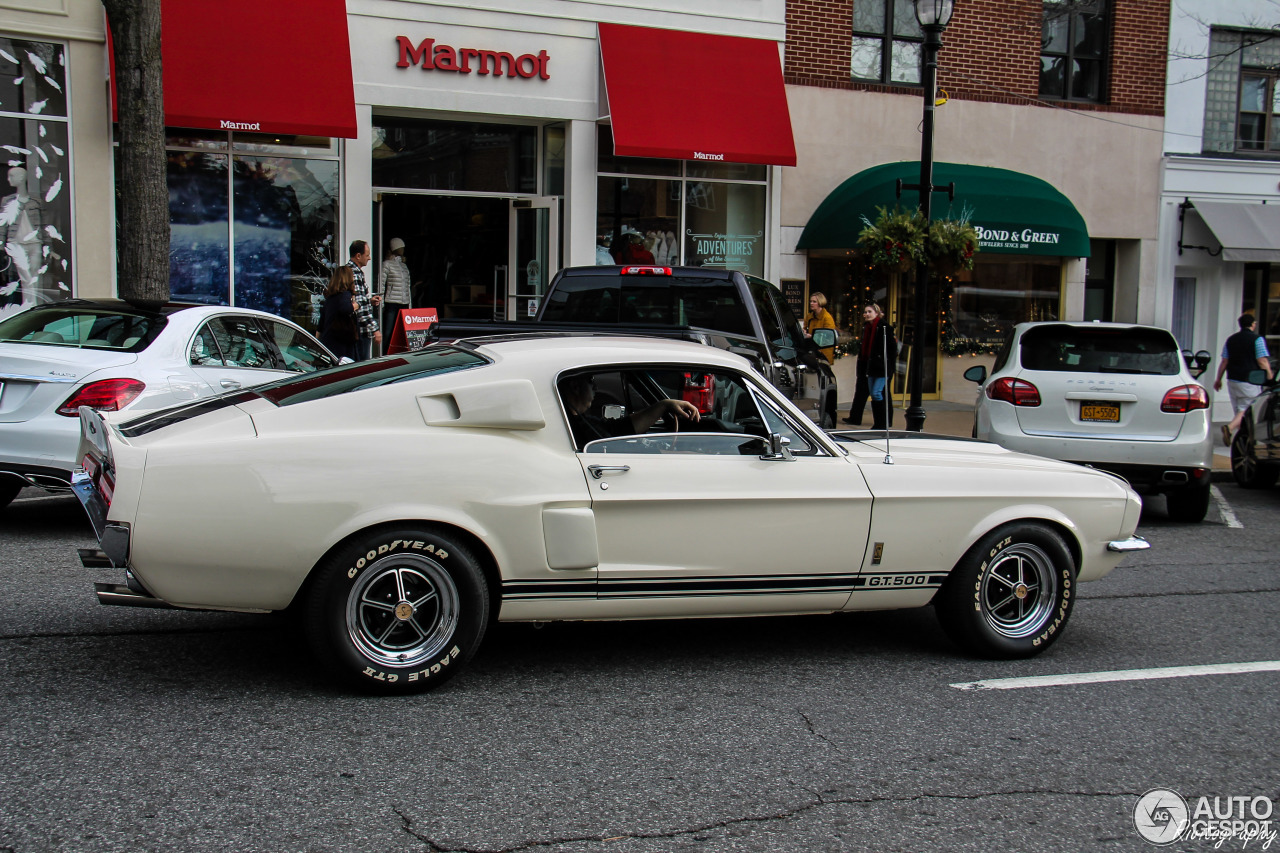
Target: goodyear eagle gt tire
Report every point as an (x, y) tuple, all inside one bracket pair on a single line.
[(398, 610), (1011, 595)]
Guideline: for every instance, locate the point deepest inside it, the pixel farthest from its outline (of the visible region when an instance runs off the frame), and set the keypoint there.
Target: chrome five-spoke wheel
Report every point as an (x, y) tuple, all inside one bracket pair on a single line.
[(402, 610), (1018, 591)]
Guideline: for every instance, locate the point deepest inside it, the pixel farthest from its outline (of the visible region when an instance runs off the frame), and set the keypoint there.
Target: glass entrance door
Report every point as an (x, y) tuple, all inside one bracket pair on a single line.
[(534, 254)]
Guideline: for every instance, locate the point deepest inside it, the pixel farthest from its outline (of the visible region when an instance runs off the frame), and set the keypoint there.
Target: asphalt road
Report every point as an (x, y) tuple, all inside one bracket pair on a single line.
[(136, 730)]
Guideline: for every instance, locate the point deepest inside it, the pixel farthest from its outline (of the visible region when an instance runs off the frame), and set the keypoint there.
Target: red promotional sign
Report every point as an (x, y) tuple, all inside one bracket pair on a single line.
[(410, 333)]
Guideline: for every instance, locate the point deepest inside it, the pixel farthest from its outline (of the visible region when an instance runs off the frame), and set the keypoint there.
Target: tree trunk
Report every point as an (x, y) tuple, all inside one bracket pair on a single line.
[(142, 262)]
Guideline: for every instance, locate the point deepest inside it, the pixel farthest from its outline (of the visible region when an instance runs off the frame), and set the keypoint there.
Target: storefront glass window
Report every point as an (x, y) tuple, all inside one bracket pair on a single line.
[(455, 156), (35, 206), (637, 221), (724, 226), (256, 231), (980, 307), (199, 239), (721, 217), (285, 219)]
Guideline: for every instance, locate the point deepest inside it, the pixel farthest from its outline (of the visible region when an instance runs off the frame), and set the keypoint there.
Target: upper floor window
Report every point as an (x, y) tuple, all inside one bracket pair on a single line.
[(886, 41), (1073, 49), (1258, 128)]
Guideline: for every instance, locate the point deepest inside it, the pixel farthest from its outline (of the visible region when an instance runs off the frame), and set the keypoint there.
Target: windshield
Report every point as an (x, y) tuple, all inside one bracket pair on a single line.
[(707, 302), (430, 361), (1102, 349), (83, 327)]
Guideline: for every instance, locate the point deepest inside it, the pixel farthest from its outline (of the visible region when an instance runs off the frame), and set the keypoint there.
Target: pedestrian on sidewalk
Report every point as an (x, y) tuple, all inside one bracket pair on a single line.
[(820, 318), (1244, 352), (873, 369), (394, 286), (366, 320)]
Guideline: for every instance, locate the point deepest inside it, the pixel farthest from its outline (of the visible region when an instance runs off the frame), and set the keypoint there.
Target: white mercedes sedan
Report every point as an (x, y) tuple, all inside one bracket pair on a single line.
[(402, 505), (107, 354)]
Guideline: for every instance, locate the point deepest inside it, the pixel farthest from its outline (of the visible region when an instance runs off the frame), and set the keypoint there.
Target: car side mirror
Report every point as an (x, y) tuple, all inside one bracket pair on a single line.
[(779, 449), (977, 373), (824, 338)]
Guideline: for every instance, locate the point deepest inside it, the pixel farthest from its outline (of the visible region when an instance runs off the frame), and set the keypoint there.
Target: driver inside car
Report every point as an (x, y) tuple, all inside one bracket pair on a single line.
[(578, 393)]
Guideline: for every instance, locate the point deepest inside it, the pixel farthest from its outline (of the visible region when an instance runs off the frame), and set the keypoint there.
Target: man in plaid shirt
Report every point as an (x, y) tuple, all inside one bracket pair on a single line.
[(365, 322)]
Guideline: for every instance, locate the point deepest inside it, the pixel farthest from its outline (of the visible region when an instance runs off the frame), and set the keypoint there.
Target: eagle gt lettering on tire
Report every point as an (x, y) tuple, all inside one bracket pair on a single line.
[(1011, 595), (398, 610)]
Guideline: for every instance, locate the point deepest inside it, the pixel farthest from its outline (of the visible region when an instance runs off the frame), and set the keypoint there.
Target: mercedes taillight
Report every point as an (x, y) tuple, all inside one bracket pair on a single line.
[(106, 395)]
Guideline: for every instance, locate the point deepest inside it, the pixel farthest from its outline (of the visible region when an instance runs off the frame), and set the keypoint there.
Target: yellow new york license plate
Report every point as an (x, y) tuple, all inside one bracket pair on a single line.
[(1107, 412)]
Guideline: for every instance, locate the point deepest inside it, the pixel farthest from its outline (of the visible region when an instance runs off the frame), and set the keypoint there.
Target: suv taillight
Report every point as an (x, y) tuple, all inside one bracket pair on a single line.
[(107, 395), (700, 390), (1020, 392), (1183, 399)]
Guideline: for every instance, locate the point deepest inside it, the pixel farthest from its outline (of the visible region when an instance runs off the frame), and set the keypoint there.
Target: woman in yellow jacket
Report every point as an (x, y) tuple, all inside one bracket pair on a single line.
[(820, 318)]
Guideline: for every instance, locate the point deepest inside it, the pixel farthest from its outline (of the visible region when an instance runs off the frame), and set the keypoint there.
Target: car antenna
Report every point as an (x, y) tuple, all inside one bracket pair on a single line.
[(884, 398)]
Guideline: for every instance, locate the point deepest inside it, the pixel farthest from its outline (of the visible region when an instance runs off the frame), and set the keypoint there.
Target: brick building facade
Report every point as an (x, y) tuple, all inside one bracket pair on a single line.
[(1101, 151)]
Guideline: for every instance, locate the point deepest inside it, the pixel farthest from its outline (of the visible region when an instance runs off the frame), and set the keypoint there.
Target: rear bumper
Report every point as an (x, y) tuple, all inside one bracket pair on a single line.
[(112, 535), (1155, 478), (53, 479)]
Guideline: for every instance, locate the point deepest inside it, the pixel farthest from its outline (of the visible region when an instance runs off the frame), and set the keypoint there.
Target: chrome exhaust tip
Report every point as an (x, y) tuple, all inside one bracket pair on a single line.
[(120, 595)]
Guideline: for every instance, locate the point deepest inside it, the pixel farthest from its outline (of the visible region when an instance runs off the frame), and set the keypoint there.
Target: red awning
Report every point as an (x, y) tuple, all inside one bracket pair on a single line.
[(693, 96), (265, 66)]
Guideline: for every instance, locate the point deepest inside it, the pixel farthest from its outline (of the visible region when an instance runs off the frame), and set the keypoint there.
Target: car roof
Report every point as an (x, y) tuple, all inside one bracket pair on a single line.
[(168, 309), (564, 351), (1086, 324)]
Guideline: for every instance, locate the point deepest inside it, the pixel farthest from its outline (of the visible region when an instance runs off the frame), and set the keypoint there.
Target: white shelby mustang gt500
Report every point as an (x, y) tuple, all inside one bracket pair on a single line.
[(403, 504)]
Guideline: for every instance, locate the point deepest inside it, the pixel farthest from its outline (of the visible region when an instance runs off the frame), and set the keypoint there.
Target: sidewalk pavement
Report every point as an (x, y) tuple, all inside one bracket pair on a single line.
[(946, 418)]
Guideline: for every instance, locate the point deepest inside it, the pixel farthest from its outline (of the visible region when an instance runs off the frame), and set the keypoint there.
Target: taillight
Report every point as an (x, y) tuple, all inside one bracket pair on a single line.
[(646, 270), (1020, 392), (1185, 398), (108, 395), (700, 390)]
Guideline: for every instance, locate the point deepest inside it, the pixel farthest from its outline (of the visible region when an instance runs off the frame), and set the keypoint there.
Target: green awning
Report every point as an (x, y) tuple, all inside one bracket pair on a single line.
[(1015, 214)]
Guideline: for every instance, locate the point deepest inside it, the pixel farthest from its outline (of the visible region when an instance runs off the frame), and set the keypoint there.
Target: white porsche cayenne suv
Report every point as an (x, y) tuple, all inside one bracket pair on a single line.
[(1113, 396), (109, 355)]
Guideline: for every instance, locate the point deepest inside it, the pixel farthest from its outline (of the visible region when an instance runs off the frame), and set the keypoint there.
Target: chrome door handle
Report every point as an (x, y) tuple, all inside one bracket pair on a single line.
[(230, 384), (599, 471)]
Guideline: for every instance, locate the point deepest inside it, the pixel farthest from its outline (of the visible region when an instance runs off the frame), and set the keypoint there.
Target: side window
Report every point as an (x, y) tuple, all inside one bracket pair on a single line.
[(768, 318), (776, 421), (242, 342), (299, 352), (204, 349)]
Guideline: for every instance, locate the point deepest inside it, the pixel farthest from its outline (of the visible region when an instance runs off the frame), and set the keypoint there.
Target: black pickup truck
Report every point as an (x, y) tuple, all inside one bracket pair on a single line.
[(720, 308)]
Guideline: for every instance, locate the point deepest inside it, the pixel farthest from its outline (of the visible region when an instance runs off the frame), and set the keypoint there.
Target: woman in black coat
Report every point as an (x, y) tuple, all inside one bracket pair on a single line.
[(338, 316), (875, 366)]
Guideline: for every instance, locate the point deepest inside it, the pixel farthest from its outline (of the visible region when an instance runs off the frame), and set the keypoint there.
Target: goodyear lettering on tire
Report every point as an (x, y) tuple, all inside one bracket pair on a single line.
[(397, 545)]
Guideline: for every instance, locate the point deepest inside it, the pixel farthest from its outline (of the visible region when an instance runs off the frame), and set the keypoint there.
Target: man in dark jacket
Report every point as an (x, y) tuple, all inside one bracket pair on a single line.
[(1244, 352)]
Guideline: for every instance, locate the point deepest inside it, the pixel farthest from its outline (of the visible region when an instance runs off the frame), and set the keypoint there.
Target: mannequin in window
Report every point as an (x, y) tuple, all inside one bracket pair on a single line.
[(22, 230)]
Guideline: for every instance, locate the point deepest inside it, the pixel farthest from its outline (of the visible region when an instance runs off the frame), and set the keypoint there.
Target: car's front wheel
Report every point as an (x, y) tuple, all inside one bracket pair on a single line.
[(398, 610), (1244, 459), (1190, 504), (1010, 596)]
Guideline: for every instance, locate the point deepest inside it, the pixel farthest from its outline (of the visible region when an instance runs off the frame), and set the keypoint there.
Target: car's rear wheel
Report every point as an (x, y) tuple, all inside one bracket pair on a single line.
[(1190, 504), (1011, 595), (1244, 459), (398, 610), (9, 489)]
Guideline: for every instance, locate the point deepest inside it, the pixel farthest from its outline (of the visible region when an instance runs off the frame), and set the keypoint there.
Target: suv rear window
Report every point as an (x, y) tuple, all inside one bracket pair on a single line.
[(1084, 349), (678, 300), (83, 327)]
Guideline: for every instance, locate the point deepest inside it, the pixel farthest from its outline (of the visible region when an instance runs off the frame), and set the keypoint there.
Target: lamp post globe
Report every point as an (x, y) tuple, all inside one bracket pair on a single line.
[(933, 15)]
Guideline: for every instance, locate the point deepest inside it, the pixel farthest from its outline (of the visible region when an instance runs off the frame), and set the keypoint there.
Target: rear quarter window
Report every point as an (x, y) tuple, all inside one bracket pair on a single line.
[(1076, 349), (82, 328)]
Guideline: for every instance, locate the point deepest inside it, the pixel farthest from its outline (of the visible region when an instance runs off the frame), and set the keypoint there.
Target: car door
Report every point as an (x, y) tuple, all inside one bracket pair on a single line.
[(232, 351), (693, 521), (297, 351)]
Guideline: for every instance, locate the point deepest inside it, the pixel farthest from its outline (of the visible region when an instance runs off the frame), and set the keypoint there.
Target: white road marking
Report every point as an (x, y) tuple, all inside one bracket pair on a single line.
[(1120, 675), (1228, 514)]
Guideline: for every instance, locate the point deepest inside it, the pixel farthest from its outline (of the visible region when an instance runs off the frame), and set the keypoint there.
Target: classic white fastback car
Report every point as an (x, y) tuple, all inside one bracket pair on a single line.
[(405, 503)]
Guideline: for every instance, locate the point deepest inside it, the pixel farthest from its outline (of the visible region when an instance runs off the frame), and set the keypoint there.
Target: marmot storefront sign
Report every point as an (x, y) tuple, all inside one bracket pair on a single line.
[(464, 60)]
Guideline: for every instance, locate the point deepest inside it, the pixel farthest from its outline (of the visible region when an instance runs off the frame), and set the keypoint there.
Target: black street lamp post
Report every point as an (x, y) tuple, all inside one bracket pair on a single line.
[(933, 15)]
